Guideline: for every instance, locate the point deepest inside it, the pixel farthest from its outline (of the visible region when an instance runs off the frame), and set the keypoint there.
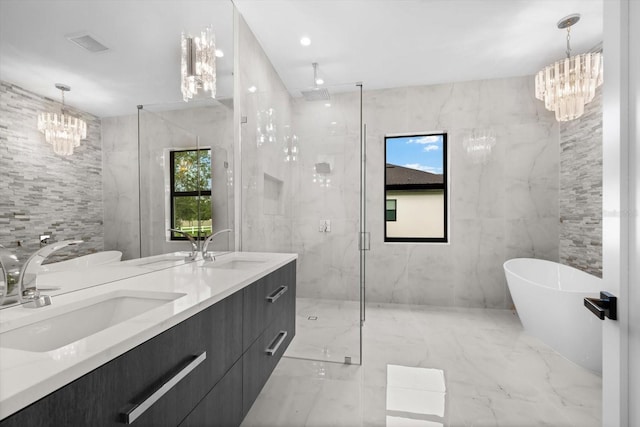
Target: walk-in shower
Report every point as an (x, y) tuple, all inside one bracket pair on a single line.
[(301, 192)]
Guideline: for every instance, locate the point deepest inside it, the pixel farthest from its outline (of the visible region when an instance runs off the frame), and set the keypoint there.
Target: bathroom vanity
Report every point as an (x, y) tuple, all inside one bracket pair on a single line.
[(198, 359)]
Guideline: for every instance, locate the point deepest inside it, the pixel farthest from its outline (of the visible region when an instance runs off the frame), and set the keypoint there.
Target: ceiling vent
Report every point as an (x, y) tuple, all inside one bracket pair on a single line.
[(87, 42)]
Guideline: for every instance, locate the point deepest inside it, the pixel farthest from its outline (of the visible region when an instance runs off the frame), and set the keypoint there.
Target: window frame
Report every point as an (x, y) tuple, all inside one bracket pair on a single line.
[(444, 187), (172, 193), (394, 210)]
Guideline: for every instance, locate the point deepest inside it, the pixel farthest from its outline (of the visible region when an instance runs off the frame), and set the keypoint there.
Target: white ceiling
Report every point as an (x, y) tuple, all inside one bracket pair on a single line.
[(383, 43), (142, 65)]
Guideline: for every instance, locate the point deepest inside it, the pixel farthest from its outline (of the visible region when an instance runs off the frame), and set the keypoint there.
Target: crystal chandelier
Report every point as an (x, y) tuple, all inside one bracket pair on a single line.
[(567, 85), (198, 68), (61, 130)]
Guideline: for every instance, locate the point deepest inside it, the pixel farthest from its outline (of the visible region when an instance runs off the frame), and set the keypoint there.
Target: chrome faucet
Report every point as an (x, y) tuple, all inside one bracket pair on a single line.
[(27, 281), (194, 245), (205, 253)]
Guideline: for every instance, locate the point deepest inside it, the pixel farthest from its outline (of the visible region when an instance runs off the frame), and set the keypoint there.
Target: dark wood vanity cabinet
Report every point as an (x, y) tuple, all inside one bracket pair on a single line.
[(213, 390), (270, 326)]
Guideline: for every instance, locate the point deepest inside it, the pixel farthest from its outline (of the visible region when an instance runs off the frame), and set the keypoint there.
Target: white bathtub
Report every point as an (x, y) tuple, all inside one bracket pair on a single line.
[(549, 300), (82, 262)]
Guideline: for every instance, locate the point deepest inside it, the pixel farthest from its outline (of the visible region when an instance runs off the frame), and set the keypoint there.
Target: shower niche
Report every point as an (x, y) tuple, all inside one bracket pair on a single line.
[(273, 199)]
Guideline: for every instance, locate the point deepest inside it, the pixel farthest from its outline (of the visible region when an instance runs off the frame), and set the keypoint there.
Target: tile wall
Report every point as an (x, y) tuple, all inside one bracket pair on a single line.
[(266, 175), (42, 192), (503, 208), (581, 189)]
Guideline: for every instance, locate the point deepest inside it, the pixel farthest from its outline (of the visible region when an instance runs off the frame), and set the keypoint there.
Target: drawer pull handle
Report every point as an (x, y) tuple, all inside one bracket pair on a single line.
[(276, 343), (277, 294), (131, 415)]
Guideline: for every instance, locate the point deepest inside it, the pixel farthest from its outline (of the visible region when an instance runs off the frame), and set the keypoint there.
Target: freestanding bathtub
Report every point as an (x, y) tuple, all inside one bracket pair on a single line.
[(549, 300), (82, 262)]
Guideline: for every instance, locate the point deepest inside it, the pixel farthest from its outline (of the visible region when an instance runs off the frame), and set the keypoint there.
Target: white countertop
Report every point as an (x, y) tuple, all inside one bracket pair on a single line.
[(27, 376)]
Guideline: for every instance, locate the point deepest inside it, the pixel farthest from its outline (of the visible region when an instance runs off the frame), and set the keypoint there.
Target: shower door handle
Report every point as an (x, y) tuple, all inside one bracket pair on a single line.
[(605, 306), (364, 241)]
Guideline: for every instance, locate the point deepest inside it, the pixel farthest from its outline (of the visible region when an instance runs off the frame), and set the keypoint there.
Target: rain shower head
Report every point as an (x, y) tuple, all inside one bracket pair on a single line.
[(316, 94)]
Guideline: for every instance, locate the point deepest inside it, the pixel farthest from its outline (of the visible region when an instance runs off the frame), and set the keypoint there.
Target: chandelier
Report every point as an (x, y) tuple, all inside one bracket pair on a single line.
[(61, 130), (198, 68), (570, 83)]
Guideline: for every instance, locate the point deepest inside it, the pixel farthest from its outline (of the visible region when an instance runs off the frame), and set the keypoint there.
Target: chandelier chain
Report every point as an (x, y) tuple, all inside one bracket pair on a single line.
[(568, 42)]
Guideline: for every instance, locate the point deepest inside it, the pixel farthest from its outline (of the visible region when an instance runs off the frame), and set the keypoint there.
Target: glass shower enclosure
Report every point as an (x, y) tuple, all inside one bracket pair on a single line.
[(302, 192)]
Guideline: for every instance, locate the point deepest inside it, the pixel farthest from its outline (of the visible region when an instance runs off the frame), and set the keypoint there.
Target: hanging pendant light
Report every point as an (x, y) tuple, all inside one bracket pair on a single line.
[(61, 130), (569, 84), (198, 66)]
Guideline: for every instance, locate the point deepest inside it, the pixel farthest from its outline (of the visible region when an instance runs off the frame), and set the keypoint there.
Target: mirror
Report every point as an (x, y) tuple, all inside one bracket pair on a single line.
[(191, 166), (110, 192)]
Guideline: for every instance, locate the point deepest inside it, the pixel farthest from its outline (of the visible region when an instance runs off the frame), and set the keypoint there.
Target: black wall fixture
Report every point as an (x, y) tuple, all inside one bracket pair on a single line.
[(605, 306)]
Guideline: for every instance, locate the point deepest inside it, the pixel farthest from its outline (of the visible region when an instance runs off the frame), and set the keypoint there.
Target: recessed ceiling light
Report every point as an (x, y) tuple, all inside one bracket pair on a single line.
[(252, 89), (327, 105), (219, 53), (305, 41)]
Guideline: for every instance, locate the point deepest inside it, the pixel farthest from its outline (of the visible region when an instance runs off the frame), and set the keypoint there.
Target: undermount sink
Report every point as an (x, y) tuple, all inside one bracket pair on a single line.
[(73, 324), (234, 264)]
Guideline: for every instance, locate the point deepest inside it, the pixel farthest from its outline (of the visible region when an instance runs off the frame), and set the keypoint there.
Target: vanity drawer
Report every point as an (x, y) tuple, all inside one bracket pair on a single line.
[(223, 405), (266, 299), (261, 358), (103, 396), (280, 291)]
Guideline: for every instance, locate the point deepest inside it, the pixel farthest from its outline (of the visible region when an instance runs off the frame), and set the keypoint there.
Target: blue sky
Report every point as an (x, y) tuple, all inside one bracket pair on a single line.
[(416, 152)]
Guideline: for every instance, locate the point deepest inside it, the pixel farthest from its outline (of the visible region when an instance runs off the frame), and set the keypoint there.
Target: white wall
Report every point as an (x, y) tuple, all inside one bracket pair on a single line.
[(615, 221), (418, 214), (634, 256)]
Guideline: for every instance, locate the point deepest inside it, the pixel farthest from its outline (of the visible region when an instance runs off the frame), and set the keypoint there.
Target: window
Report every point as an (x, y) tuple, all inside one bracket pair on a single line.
[(416, 188), (191, 192), (391, 209)]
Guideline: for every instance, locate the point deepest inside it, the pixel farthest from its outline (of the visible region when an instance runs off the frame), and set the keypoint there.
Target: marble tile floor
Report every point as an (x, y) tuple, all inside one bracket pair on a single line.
[(424, 366), (326, 330)]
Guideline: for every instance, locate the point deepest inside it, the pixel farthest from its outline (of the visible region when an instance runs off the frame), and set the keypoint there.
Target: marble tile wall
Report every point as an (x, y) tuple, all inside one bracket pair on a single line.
[(209, 126), (120, 184), (266, 217), (41, 191), (581, 189), (328, 263), (504, 208)]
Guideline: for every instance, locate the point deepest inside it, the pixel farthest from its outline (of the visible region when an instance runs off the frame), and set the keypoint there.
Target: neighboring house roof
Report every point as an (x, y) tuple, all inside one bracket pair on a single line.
[(399, 177)]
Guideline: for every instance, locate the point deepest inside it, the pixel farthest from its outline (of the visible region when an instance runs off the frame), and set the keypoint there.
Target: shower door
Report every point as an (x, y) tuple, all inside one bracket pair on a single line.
[(302, 192)]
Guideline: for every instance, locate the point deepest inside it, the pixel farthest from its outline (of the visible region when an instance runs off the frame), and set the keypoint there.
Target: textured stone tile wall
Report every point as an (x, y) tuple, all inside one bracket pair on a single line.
[(41, 191), (581, 190)]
